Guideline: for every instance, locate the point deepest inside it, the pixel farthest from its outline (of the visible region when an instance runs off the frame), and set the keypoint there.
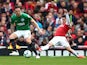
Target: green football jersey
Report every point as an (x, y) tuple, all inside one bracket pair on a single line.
[(22, 22)]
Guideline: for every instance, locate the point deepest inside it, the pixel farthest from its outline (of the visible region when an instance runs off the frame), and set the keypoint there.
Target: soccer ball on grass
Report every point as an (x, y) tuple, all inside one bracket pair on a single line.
[(27, 53)]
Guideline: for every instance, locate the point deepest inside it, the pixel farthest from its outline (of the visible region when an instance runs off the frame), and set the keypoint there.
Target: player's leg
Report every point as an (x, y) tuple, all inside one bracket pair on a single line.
[(27, 37), (52, 42), (65, 43), (28, 41), (12, 38), (74, 53), (31, 46), (46, 47)]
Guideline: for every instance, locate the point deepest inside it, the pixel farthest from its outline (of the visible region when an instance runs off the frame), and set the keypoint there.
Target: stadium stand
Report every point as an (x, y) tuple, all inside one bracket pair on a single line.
[(47, 14)]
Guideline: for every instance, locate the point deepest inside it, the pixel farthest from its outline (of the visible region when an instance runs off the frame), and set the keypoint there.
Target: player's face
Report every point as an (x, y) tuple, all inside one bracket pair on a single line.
[(18, 11), (64, 20)]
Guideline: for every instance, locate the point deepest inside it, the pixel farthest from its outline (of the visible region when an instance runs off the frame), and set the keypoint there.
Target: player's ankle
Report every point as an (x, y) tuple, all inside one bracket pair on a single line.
[(39, 49)]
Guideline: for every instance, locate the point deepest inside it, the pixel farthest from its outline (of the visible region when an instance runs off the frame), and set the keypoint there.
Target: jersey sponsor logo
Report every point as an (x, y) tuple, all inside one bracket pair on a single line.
[(15, 20), (21, 24), (22, 19)]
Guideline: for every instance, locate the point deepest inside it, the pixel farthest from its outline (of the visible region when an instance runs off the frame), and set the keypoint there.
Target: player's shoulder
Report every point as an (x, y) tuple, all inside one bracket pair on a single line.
[(25, 14), (13, 15)]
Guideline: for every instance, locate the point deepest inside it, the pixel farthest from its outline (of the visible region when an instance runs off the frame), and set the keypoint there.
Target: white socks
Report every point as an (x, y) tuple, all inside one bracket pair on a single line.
[(74, 53), (46, 47)]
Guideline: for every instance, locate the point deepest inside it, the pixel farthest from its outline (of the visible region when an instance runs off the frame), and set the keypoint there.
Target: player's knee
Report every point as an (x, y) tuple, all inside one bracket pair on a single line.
[(10, 37), (50, 44), (68, 48), (13, 36), (28, 41)]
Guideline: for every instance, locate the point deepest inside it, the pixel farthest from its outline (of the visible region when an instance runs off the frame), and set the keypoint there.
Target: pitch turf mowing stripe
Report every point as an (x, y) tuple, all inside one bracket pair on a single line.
[(20, 60)]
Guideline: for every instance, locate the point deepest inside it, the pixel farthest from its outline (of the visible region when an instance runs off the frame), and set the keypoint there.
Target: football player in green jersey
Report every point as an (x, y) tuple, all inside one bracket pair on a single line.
[(21, 21)]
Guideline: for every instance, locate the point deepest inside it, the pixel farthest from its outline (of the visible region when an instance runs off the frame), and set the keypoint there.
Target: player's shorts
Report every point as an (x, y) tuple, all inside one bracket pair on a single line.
[(24, 33), (59, 40)]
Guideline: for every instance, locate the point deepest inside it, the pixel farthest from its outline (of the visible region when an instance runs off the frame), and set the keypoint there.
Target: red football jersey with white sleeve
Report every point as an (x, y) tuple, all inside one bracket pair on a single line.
[(62, 30)]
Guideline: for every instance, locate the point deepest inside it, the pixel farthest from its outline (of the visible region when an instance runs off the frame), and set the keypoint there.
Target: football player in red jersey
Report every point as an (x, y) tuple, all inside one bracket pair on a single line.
[(60, 37)]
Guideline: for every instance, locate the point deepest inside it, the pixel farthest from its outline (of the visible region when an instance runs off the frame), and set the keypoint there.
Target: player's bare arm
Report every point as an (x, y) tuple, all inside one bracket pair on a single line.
[(68, 18), (36, 25), (12, 27)]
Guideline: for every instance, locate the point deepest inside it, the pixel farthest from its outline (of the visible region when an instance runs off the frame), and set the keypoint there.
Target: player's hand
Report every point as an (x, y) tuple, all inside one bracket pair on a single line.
[(65, 11), (40, 31)]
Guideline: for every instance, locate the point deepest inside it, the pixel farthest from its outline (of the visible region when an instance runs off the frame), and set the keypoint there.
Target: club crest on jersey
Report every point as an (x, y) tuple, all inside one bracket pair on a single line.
[(15, 20), (22, 19)]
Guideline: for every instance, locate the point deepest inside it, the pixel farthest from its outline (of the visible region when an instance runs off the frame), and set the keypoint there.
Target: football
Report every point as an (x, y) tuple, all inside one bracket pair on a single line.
[(27, 53)]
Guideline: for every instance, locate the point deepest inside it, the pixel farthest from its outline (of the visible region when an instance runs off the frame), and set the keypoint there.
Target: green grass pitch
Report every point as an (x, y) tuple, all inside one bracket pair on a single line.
[(20, 60)]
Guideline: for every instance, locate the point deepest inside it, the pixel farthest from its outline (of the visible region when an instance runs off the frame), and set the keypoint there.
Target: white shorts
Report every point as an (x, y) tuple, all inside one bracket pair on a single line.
[(24, 33), (59, 40)]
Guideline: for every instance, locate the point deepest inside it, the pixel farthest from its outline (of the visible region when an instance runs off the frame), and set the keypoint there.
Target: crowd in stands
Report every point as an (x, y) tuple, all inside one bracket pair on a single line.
[(47, 14)]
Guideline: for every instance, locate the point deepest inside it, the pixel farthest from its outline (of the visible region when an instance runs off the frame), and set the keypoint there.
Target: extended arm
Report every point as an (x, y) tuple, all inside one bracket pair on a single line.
[(12, 27), (35, 24), (68, 22), (12, 23)]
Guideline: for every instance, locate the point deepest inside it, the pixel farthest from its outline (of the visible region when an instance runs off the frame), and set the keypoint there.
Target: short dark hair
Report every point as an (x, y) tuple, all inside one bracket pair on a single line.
[(17, 7), (64, 16)]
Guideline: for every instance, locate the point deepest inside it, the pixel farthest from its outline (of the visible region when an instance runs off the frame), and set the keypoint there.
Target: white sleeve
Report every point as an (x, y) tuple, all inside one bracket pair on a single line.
[(57, 20), (67, 19), (46, 6), (29, 16)]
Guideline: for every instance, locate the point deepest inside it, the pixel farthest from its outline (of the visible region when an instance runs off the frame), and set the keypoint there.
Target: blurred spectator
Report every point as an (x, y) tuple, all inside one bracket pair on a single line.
[(74, 19), (81, 38), (37, 7), (21, 42), (85, 6), (3, 40), (71, 42), (51, 4), (22, 7), (38, 20), (79, 41), (43, 11), (49, 32), (58, 19), (50, 21), (42, 37), (81, 6), (6, 8), (74, 6), (81, 24), (79, 33), (63, 4), (4, 29), (30, 12), (85, 18), (29, 5), (4, 23)]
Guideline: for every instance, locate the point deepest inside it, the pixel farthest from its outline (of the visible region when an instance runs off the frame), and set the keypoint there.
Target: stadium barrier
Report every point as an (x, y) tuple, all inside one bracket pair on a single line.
[(57, 51), (61, 51)]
